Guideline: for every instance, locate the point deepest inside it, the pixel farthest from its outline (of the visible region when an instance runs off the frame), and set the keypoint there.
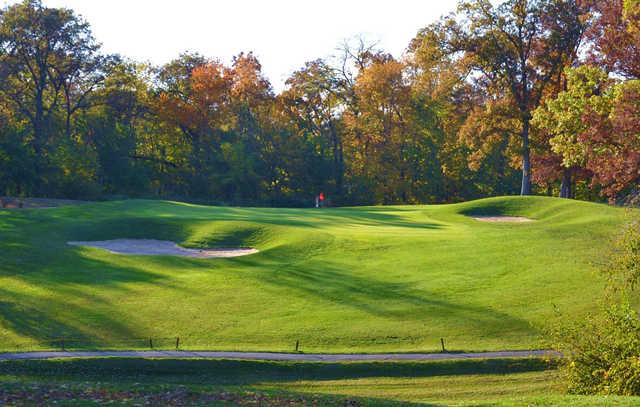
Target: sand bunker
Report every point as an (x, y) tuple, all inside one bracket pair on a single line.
[(150, 247), (513, 219)]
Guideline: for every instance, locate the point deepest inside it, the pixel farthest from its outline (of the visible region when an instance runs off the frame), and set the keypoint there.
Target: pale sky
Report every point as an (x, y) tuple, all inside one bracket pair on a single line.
[(282, 33)]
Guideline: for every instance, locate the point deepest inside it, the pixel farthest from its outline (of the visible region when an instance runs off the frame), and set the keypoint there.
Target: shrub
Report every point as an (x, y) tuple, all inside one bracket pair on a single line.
[(602, 352), (624, 268)]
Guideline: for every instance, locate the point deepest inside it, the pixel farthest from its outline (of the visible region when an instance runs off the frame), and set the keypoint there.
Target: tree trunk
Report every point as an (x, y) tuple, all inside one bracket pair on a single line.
[(526, 163), (338, 160), (67, 123), (39, 131), (38, 145), (565, 186)]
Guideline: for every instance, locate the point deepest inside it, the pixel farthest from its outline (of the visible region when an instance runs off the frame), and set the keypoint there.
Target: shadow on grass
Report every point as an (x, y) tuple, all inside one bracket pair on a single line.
[(335, 283), (168, 211), (52, 287), (237, 372), (46, 323), (314, 218), (48, 393), (488, 210)]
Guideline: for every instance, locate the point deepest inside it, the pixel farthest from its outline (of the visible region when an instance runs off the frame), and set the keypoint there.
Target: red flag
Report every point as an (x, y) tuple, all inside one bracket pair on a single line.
[(321, 197)]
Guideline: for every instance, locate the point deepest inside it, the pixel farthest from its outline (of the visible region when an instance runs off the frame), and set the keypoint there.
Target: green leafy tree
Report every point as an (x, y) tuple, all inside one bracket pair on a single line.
[(313, 102), (563, 116), (47, 59)]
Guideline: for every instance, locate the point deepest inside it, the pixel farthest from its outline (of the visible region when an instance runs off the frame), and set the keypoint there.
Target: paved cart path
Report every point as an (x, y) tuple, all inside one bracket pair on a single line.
[(311, 357)]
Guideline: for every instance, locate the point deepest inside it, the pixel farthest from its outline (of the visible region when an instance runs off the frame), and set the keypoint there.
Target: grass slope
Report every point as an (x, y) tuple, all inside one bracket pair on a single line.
[(368, 279)]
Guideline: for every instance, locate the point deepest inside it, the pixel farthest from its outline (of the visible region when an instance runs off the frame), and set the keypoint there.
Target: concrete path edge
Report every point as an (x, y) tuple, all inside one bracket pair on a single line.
[(302, 357)]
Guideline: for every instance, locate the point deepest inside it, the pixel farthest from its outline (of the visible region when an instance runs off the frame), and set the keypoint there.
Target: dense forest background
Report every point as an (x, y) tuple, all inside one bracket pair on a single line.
[(528, 96)]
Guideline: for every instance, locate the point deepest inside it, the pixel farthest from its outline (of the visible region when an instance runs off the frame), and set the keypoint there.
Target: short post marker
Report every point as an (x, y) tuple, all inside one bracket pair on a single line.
[(297, 345), (442, 343), (151, 343), (177, 342)]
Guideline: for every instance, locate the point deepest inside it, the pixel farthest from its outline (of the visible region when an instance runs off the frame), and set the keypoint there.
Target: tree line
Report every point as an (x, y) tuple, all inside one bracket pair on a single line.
[(526, 96)]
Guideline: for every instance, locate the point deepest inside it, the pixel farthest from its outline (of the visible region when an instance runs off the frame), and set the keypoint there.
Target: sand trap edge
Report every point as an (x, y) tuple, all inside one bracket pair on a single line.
[(151, 247)]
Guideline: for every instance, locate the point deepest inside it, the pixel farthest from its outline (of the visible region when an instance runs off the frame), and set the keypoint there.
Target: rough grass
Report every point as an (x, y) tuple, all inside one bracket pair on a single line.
[(507, 382), (368, 279)]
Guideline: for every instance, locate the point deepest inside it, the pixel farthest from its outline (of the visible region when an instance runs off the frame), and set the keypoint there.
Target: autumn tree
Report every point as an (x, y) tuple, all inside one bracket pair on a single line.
[(377, 143), (594, 125), (612, 142), (194, 97), (250, 99), (614, 37), (631, 12), (491, 130), (518, 46), (446, 99)]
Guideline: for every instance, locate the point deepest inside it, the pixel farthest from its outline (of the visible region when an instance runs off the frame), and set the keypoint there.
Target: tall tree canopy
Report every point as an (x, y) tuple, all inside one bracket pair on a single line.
[(483, 102), (615, 37), (48, 58)]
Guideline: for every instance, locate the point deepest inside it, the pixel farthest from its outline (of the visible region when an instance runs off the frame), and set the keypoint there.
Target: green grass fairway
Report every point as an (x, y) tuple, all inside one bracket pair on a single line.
[(369, 279)]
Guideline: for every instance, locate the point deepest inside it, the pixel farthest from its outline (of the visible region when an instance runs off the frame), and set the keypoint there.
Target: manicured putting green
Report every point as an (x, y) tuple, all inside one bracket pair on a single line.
[(369, 279)]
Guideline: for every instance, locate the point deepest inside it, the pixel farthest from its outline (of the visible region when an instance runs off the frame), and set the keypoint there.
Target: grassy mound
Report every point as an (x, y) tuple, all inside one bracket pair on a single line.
[(367, 279)]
